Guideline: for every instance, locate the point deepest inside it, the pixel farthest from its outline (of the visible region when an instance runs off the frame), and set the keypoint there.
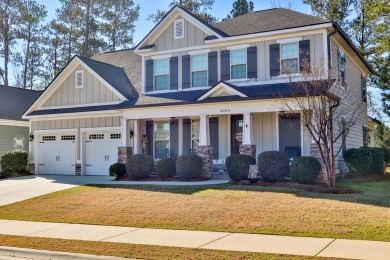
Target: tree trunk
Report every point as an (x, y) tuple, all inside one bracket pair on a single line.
[(26, 58), (86, 35), (6, 50)]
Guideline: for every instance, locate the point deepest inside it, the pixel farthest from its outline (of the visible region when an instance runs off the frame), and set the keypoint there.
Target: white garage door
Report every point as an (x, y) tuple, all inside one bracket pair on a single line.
[(101, 150), (57, 154)]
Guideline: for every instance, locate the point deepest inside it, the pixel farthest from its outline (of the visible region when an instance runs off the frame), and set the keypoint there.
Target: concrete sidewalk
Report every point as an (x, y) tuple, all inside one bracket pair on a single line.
[(306, 246)]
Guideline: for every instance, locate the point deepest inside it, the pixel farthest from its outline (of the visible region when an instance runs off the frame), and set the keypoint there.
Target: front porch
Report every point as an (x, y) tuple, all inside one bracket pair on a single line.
[(215, 137)]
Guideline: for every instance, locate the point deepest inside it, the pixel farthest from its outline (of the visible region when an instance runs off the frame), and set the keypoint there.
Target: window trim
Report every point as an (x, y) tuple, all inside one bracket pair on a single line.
[(154, 74), (231, 65), (177, 21), (207, 70), (280, 63), (82, 79), (341, 53)]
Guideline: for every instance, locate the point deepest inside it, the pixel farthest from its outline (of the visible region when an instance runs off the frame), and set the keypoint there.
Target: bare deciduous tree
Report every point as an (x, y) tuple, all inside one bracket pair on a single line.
[(319, 98)]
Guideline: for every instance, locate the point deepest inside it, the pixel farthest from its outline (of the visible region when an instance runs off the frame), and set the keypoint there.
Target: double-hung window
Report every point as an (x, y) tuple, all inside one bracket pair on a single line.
[(341, 60), (199, 68), (161, 74), (238, 64), (289, 58), (161, 139)]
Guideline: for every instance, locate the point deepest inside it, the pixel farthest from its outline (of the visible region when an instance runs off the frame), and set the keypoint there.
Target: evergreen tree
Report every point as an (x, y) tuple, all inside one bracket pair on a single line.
[(241, 7), (199, 8)]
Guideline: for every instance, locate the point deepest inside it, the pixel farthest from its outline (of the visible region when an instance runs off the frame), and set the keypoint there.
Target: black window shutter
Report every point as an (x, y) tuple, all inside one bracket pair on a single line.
[(213, 128), (149, 76), (304, 55), (174, 138), (149, 135), (252, 62), (364, 88), (186, 136), (274, 58), (225, 65), (186, 71), (213, 68), (174, 72)]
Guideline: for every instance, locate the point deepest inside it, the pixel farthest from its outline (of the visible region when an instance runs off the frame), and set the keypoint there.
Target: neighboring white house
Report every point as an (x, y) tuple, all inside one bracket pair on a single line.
[(14, 131), (191, 87)]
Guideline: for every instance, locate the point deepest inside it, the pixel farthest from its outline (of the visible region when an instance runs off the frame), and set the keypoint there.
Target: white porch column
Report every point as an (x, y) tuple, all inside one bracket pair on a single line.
[(125, 140), (247, 138), (204, 136), (136, 137)]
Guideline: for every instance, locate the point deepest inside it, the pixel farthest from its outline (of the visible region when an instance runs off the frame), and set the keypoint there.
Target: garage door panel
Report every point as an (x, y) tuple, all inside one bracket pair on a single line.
[(101, 151)]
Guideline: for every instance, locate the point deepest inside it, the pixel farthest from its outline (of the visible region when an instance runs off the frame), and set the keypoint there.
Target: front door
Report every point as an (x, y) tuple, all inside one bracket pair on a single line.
[(236, 133)]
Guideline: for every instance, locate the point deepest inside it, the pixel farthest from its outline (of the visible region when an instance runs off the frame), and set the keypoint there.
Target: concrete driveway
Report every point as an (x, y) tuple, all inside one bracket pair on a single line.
[(22, 188)]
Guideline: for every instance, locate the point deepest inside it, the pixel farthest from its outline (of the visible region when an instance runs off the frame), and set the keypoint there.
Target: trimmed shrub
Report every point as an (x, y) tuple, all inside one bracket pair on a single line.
[(358, 161), (273, 165), (189, 167), (140, 166), (166, 168), (13, 163), (386, 153), (237, 165), (118, 170), (305, 169), (377, 159)]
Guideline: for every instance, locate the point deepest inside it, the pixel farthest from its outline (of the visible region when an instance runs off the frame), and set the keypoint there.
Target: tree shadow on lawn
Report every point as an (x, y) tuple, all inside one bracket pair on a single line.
[(372, 193)]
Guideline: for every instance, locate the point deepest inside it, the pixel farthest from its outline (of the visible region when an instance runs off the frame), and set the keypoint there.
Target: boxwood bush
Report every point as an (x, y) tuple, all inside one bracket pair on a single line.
[(377, 159), (140, 166), (237, 165), (118, 170), (13, 163), (166, 168), (358, 161), (189, 167), (273, 165), (305, 169)]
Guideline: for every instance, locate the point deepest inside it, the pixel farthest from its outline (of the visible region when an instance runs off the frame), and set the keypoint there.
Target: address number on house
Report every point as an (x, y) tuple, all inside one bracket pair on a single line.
[(225, 110)]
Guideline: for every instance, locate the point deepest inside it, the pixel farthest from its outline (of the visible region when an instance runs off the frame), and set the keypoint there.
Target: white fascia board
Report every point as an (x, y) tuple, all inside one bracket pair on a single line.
[(83, 105), (101, 129), (263, 34), (228, 89), (74, 115), (56, 131), (166, 22), (14, 123)]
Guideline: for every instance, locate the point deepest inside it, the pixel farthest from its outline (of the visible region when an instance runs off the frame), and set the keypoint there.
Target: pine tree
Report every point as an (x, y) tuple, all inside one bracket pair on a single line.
[(241, 7)]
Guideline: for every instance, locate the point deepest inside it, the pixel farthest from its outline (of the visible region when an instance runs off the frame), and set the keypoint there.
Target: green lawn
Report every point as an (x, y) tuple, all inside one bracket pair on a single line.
[(247, 209)]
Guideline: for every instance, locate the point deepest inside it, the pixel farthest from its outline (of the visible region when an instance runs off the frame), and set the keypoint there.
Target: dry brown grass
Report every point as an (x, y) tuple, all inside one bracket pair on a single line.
[(132, 251), (266, 210)]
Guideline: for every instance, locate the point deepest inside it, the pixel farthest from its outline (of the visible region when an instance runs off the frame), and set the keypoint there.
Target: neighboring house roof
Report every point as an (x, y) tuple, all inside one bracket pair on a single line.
[(15, 101), (376, 121), (115, 76), (267, 20)]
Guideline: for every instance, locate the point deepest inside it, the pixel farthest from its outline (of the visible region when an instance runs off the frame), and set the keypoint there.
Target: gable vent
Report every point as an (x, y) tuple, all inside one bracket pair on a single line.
[(79, 79), (178, 29)]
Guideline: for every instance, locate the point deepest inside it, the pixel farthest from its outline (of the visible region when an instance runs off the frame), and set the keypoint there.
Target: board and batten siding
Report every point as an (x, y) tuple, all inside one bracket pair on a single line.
[(8, 135), (94, 91), (265, 132), (351, 100), (193, 36)]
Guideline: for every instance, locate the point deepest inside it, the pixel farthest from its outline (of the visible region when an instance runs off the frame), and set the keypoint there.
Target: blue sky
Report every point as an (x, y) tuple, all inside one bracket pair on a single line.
[(220, 9)]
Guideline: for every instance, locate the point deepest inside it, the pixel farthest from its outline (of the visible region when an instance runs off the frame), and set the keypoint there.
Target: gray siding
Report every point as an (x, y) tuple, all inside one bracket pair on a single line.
[(265, 132), (351, 98), (192, 37), (93, 91), (76, 123), (8, 135)]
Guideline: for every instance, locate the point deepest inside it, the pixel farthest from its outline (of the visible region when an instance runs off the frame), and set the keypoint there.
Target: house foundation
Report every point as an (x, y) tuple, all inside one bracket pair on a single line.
[(248, 149), (206, 153)]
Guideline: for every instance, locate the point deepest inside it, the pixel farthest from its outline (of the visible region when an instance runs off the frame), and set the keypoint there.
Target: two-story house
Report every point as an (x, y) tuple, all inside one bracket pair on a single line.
[(190, 87)]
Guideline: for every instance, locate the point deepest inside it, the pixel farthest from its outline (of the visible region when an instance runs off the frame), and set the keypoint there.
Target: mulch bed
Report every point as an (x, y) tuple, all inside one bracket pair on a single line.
[(306, 187), (126, 178)]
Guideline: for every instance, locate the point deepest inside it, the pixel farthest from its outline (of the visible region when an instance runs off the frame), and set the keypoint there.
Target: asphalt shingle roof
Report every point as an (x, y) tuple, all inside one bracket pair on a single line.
[(15, 101), (267, 20)]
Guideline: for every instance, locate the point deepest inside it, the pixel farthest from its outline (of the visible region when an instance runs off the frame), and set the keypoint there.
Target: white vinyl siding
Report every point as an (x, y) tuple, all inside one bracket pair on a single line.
[(161, 74), (341, 60), (238, 64), (199, 69), (289, 58)]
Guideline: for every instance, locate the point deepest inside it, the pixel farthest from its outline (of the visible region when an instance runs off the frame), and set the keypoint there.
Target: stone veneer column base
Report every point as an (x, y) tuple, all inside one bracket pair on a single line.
[(206, 153), (315, 152), (31, 168), (78, 169), (248, 149), (124, 153)]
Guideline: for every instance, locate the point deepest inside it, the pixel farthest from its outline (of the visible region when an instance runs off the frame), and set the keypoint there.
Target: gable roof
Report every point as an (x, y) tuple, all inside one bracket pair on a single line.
[(15, 101), (231, 89), (115, 76), (267, 20)]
